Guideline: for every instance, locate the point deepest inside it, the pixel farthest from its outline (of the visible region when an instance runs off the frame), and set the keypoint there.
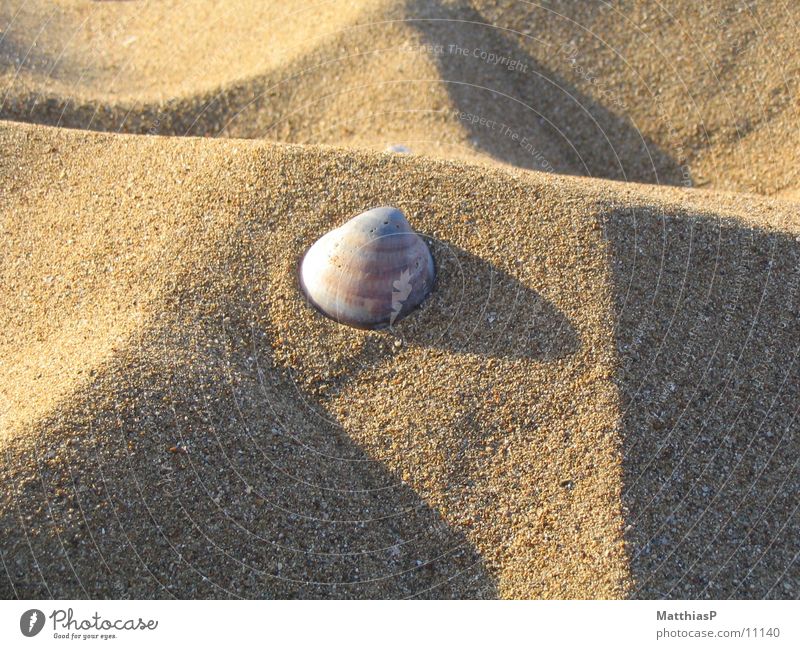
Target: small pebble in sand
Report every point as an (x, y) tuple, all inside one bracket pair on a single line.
[(398, 148)]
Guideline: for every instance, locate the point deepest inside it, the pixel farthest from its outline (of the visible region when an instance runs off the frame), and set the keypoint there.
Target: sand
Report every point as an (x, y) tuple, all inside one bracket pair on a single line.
[(599, 400)]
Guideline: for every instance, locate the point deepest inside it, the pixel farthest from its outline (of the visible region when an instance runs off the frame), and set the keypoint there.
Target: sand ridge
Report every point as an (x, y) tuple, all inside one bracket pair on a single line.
[(270, 285), (231, 415), (674, 94)]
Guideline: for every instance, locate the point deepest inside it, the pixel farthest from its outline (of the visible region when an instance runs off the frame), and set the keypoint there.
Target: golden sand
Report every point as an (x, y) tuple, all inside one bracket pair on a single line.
[(599, 400)]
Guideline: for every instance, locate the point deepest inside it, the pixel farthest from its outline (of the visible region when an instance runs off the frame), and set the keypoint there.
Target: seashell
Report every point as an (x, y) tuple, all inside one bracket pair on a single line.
[(370, 272), (398, 148)]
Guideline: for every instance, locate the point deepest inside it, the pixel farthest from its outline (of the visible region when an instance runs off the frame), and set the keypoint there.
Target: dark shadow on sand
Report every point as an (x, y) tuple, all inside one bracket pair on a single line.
[(551, 125), (16, 56), (475, 308), (708, 332), (479, 308), (215, 480)]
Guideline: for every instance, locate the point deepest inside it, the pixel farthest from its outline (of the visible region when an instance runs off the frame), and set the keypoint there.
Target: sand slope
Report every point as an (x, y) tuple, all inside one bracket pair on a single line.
[(667, 93), (598, 400)]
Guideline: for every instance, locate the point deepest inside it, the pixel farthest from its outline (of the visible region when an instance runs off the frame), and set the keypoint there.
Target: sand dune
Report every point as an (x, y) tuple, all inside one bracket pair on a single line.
[(599, 400), (671, 94), (507, 418)]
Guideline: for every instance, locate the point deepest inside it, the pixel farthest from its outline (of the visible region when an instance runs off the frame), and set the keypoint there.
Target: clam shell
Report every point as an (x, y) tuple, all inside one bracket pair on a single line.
[(370, 272)]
